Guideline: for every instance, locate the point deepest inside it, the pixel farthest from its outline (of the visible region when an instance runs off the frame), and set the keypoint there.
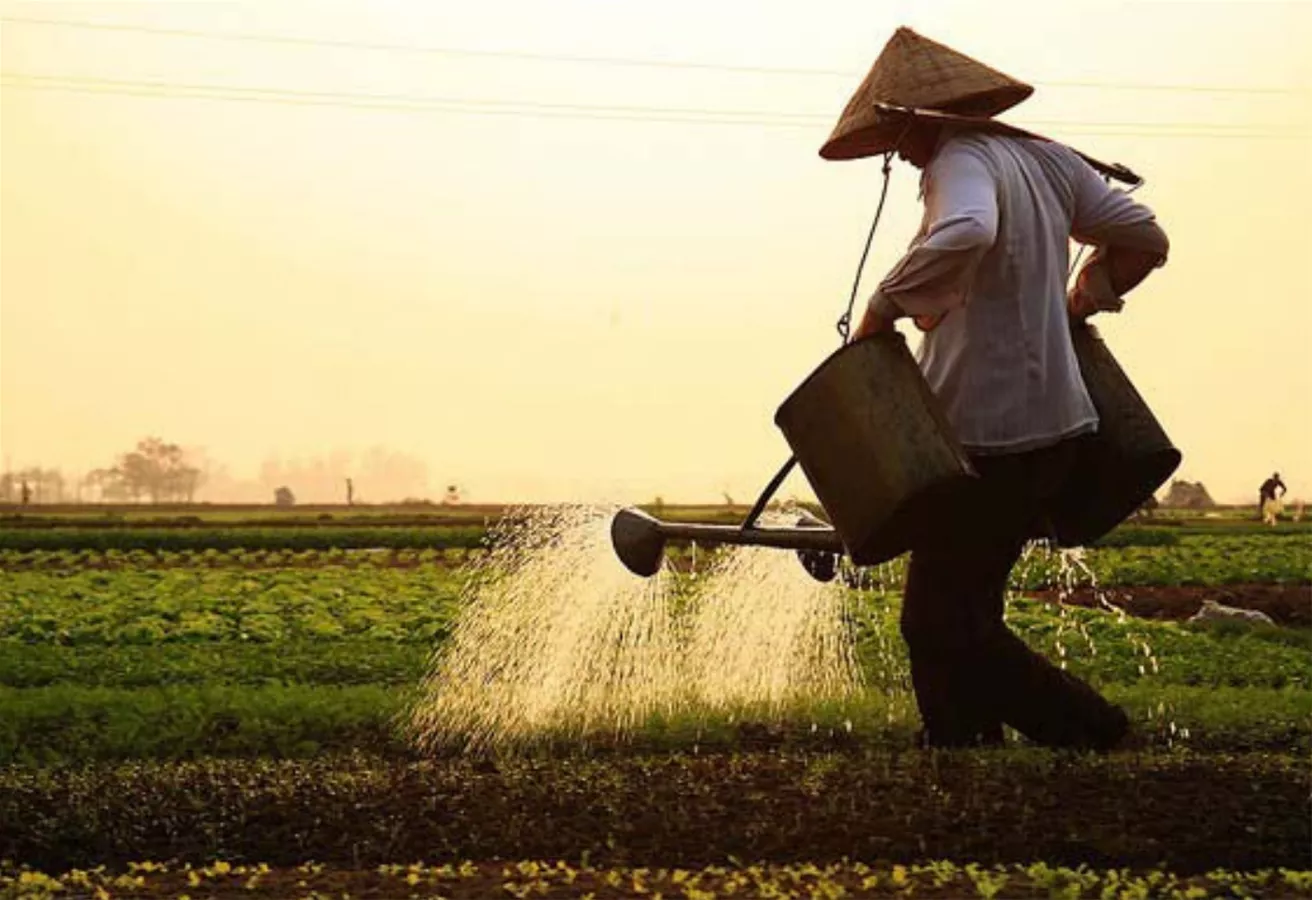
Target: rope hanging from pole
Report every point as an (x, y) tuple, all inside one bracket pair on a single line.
[(844, 326)]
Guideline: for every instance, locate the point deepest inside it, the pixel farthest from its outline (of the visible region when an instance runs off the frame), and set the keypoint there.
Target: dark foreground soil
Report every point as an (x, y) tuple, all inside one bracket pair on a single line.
[(1183, 812), (1286, 604)]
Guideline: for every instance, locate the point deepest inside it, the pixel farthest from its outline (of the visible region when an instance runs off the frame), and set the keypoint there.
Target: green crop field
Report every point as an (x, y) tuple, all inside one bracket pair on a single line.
[(212, 710)]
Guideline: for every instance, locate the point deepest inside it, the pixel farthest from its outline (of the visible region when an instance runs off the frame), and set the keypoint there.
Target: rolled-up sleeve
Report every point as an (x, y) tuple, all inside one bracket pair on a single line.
[(960, 225), (1107, 217), (1130, 243)]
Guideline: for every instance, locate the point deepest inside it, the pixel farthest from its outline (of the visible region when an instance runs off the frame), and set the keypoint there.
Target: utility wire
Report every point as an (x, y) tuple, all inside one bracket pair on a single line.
[(423, 103), (295, 40), (254, 92), (439, 51), (400, 103), (85, 80)]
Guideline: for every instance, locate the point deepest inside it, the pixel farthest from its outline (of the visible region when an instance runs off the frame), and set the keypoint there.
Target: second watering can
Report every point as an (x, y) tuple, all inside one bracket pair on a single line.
[(1121, 465)]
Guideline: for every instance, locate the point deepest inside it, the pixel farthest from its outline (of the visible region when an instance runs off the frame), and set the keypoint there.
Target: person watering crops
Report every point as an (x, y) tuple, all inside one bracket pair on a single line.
[(985, 279), (1268, 501)]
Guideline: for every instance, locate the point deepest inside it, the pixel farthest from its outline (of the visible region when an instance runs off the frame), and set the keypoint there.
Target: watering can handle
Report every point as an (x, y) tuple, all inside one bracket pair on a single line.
[(766, 494)]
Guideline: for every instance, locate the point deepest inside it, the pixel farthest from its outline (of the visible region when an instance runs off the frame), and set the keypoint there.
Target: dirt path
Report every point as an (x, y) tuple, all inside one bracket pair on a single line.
[(1286, 604)]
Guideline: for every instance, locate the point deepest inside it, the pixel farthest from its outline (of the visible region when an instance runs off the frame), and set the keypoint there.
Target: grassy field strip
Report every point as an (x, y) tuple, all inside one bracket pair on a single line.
[(149, 606), (317, 662), (226, 537), (63, 724), (1152, 556), (320, 631)]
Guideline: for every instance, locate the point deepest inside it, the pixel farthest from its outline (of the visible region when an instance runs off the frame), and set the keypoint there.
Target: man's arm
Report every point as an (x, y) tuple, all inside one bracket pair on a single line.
[(1130, 243), (961, 215)]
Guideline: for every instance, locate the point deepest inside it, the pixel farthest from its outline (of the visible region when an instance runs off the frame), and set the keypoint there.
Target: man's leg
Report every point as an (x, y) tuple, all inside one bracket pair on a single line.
[(1048, 705), (1022, 688), (953, 601), (970, 672), (937, 624)]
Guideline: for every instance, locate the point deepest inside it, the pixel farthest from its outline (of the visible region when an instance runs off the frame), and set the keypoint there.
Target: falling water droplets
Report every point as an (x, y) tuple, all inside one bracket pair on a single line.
[(1070, 570), (554, 637), (557, 639)]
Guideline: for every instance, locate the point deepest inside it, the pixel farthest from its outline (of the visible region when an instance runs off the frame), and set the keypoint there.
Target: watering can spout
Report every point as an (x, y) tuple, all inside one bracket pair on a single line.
[(639, 540)]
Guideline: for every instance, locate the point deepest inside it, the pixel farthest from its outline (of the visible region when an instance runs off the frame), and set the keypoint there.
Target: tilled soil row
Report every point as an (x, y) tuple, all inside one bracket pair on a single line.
[(1286, 604), (1188, 813)]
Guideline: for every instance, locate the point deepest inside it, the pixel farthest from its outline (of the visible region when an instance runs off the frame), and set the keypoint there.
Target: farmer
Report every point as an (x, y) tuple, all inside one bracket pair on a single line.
[(985, 279), (1268, 502)]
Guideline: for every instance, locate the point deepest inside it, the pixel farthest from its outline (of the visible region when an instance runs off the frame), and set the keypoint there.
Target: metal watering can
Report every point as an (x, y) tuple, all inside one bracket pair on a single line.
[(882, 459), (1123, 464)]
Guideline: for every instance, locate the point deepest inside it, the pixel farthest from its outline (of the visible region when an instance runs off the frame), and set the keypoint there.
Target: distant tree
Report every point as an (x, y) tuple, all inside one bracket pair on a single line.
[(156, 470), (108, 484), (283, 496)]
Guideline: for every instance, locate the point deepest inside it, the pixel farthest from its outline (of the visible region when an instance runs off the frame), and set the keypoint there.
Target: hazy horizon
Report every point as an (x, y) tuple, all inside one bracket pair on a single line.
[(542, 271), (380, 476)]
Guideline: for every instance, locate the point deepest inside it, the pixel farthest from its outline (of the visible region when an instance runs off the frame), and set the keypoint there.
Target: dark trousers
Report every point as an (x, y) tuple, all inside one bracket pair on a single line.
[(971, 674)]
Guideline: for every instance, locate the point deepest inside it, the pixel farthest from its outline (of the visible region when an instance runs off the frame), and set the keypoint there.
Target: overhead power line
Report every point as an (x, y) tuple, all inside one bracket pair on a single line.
[(436, 51), (400, 100), (296, 40), (481, 106)]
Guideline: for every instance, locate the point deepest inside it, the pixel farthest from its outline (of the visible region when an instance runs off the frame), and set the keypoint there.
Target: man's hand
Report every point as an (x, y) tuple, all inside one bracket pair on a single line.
[(1081, 304), (928, 323), (872, 323), (1093, 293)]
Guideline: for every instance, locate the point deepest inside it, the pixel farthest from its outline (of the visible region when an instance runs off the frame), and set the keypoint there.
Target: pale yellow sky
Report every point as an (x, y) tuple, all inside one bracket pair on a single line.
[(545, 306)]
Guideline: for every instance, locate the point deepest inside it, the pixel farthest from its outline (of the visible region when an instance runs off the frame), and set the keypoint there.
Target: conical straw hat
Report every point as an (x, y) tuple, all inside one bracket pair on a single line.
[(914, 73)]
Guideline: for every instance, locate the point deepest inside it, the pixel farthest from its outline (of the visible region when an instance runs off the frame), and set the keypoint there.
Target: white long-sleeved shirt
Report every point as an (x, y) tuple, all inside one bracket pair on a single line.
[(991, 258)]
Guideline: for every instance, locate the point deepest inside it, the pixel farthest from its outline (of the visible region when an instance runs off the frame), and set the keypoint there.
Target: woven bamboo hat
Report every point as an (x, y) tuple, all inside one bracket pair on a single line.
[(913, 74)]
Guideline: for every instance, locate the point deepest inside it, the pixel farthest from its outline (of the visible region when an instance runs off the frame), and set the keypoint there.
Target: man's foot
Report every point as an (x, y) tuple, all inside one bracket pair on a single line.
[(1113, 732), (989, 736)]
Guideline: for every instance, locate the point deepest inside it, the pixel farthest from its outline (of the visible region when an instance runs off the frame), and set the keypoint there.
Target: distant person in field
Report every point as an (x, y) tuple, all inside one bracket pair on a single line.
[(1268, 501), (985, 279), (25, 493), (350, 492)]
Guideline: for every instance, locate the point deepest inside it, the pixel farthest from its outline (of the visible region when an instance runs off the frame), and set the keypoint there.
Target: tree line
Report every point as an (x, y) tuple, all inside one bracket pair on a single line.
[(155, 470), (158, 472)]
